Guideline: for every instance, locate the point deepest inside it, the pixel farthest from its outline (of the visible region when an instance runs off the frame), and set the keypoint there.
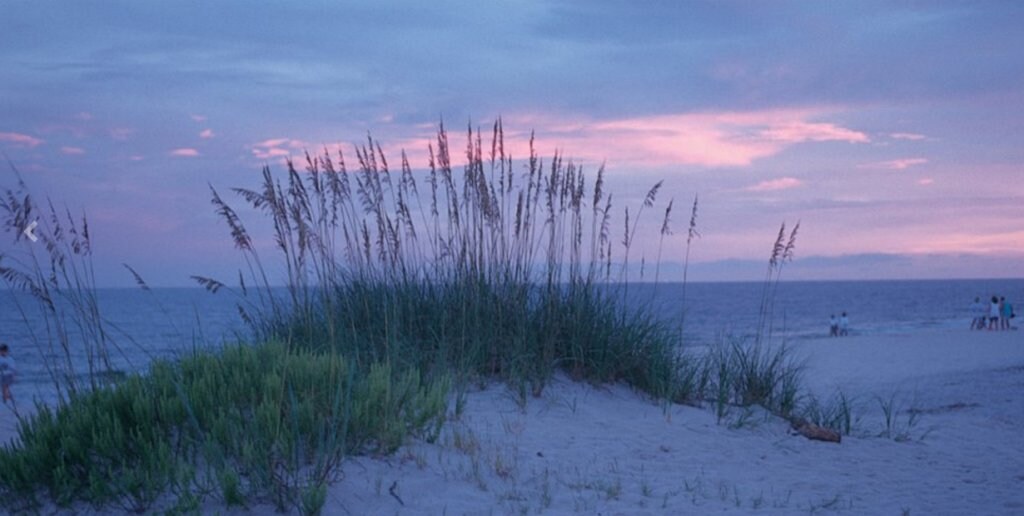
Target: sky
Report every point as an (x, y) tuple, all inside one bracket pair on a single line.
[(891, 131)]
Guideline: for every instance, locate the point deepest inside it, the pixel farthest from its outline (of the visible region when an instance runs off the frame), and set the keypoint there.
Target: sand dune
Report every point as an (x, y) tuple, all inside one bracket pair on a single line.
[(954, 447), (578, 449)]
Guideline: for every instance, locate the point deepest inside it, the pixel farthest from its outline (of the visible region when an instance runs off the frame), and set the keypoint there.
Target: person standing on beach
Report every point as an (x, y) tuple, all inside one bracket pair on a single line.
[(993, 314), (1005, 313), (844, 325), (978, 314), (833, 326), (7, 372)]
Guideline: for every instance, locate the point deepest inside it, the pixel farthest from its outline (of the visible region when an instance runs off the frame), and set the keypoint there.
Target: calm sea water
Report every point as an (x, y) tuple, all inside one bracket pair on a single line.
[(165, 322), (802, 309)]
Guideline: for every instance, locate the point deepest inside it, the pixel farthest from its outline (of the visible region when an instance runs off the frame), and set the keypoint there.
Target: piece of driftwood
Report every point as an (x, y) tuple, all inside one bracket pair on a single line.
[(815, 432)]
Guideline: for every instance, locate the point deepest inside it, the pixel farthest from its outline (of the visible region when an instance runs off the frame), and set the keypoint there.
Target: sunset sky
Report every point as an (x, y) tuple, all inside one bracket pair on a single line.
[(893, 131)]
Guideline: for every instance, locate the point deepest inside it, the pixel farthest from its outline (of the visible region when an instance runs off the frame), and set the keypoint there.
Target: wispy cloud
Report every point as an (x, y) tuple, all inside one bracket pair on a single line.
[(279, 142), (207, 133), (21, 140), (799, 131), (277, 148), (772, 185), (966, 242), (714, 139), (198, 118), (184, 153), (72, 150), (895, 164), (925, 181), (907, 136), (83, 116)]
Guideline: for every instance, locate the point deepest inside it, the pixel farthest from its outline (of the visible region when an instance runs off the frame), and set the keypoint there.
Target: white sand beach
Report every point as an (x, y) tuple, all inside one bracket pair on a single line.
[(955, 446)]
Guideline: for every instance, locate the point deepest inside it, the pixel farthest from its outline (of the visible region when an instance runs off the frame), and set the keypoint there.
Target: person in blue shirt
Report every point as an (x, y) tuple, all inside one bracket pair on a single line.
[(1005, 313)]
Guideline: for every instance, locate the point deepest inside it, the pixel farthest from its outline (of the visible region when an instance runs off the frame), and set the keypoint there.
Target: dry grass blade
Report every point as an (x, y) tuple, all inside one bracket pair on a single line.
[(138, 279), (787, 253), (238, 232), (692, 232), (652, 194), (779, 247), (666, 221), (209, 284)]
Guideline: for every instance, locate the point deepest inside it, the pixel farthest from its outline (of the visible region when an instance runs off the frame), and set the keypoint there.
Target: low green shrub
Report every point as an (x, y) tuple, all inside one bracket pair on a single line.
[(260, 422)]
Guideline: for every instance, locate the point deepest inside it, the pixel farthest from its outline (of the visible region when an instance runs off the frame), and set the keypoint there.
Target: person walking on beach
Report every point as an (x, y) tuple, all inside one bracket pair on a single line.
[(833, 326), (978, 312), (993, 314), (844, 325), (7, 372), (1005, 313)]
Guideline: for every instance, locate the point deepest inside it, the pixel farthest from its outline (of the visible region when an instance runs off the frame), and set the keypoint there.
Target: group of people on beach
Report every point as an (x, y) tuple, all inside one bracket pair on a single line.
[(838, 326), (994, 315)]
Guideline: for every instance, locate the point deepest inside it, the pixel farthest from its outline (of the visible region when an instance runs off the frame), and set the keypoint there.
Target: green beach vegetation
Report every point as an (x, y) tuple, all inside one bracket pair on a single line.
[(244, 424), (401, 290)]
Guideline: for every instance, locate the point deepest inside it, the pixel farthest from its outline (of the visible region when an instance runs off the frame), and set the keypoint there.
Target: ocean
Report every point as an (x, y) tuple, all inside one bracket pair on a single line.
[(164, 322)]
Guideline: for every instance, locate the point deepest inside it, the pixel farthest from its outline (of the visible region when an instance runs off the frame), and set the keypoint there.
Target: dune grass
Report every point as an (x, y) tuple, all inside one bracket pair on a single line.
[(494, 274), (58, 274)]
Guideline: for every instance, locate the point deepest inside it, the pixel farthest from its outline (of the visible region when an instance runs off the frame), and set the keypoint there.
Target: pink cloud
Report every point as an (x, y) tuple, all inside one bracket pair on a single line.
[(680, 139), (72, 150), (136, 158), (185, 153), (979, 243), (270, 153), (799, 131), (896, 164), (714, 139), (271, 143), (907, 136), (198, 118), (207, 133), (772, 185), (278, 147), (21, 140), (925, 181)]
